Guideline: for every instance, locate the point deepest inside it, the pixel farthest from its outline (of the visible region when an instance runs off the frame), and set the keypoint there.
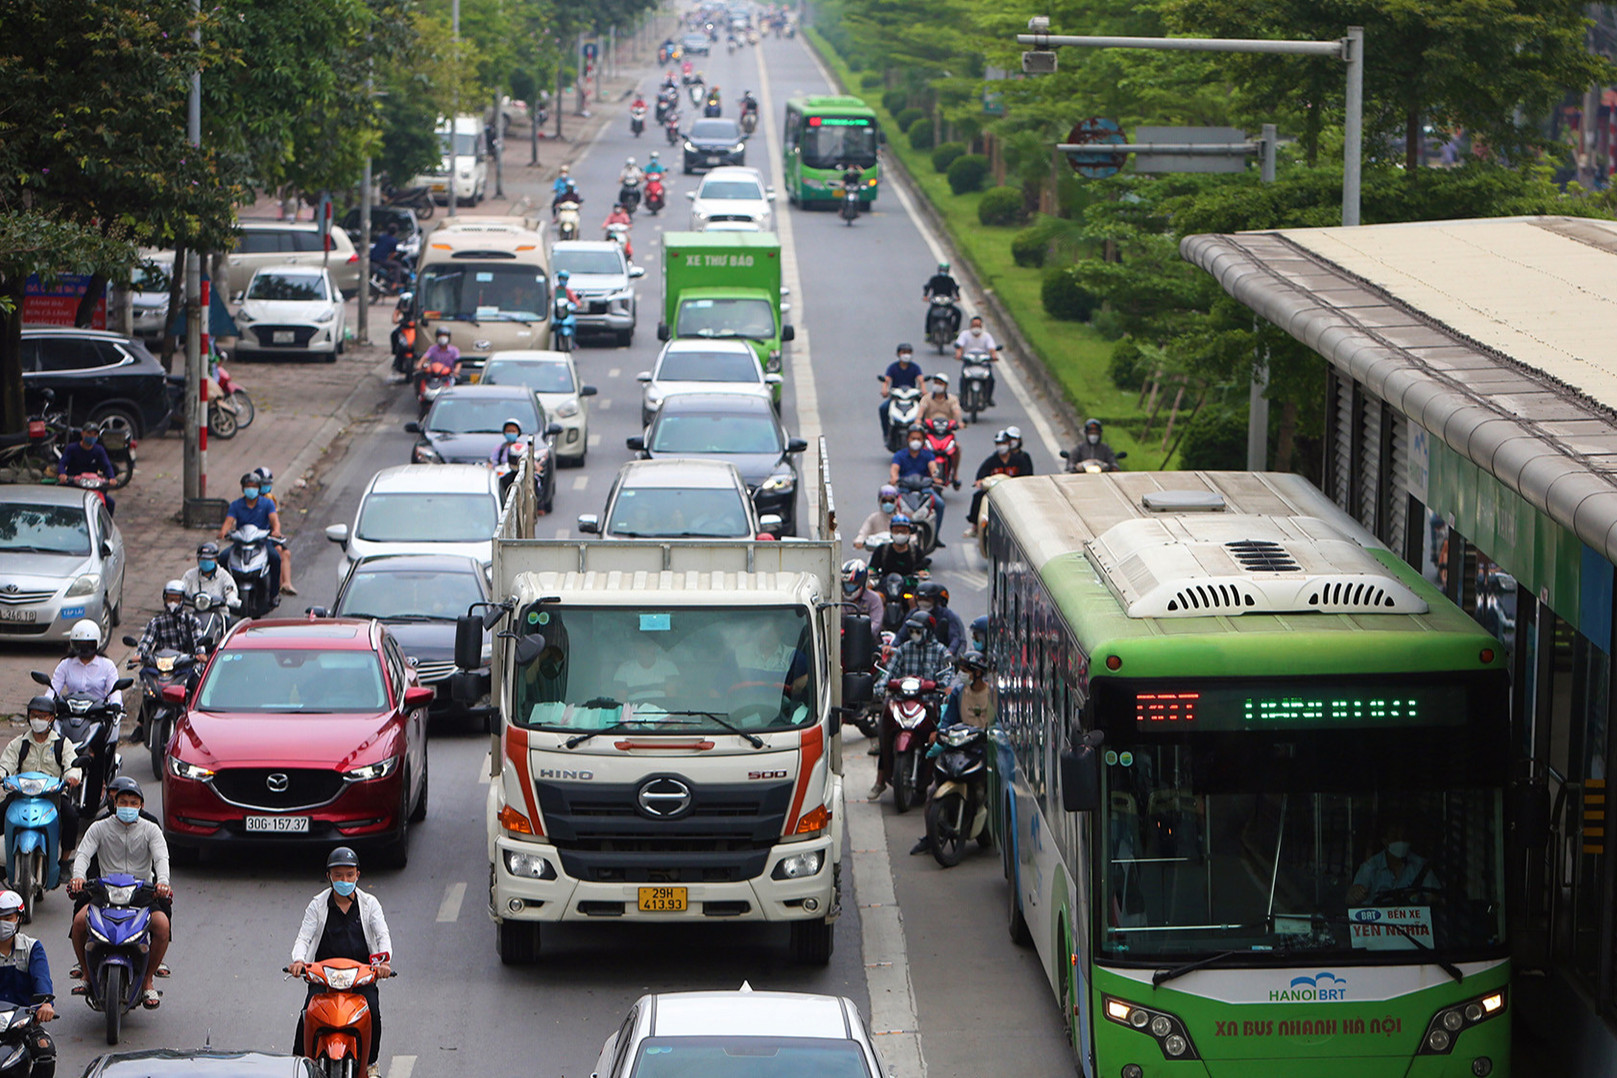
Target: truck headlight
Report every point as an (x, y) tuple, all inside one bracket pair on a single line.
[(529, 865), (379, 770), (799, 865), (772, 365), (567, 408), (88, 584), (781, 481)]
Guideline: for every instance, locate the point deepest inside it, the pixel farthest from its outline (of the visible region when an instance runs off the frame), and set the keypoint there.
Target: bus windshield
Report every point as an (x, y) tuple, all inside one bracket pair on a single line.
[(672, 671), (475, 291), (827, 145), (1376, 845)]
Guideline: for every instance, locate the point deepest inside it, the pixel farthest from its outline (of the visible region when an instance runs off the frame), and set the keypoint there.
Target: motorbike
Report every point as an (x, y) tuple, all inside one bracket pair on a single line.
[(1091, 466), (433, 380), (169, 666), (629, 196), (849, 209), (730, 45), (37, 449), (656, 198), (120, 447), (868, 718), (911, 716), (749, 122), (671, 129), (915, 499), (563, 326), (93, 724), (418, 199), (567, 221), (942, 320), (337, 1022), (958, 809), (940, 438), (637, 120), (120, 921), (234, 396), (248, 561), (224, 414), (975, 371), (90, 481), (384, 284), (713, 108), (989, 483), (619, 234), (403, 336), (697, 93), (33, 836), (215, 617), (904, 410), (19, 1027), (666, 103)]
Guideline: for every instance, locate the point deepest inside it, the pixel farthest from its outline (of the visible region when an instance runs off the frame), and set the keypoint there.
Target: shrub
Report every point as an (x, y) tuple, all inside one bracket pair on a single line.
[(1128, 365), (871, 80), (1029, 246), (894, 101), (1001, 206), (920, 133), (945, 155), (1216, 441), (905, 117), (1064, 298), (967, 173)]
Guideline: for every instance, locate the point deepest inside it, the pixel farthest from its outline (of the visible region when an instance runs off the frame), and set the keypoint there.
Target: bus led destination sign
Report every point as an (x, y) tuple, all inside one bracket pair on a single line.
[(839, 121), (1290, 705)]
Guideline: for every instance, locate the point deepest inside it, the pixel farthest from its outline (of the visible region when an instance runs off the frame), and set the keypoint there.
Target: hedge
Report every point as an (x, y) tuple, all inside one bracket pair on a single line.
[(894, 101), (1064, 298), (1029, 247), (907, 117), (967, 173), (1001, 206), (1127, 365), (920, 134), (1216, 441), (945, 155)]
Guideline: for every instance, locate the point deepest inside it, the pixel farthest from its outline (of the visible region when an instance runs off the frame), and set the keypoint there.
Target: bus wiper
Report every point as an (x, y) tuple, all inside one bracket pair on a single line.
[(752, 739), (1163, 976), (1441, 963)]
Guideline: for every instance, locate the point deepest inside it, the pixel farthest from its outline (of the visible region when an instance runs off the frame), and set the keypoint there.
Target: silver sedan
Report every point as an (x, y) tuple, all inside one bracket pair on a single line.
[(61, 559)]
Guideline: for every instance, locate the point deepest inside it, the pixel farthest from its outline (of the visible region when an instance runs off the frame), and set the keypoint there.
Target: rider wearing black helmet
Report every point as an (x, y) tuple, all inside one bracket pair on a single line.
[(972, 701), (918, 655), (1091, 447), (344, 922), (933, 597), (855, 577)]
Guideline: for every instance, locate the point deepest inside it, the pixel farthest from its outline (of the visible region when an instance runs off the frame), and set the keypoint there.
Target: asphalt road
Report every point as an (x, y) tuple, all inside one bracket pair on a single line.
[(978, 1003)]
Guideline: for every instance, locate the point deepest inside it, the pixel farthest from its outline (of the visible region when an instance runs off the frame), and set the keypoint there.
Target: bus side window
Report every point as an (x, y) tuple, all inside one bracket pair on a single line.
[(789, 134)]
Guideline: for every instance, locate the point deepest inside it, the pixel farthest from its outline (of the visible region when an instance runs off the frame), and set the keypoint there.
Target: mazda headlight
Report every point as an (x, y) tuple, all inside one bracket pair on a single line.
[(799, 866), (529, 865), (567, 408), (88, 584), (325, 316), (378, 770), (780, 481), (180, 769)]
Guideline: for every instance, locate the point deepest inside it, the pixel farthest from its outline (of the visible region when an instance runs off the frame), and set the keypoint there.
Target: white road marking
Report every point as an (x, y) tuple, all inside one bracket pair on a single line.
[(448, 910), (593, 440), (604, 403), (616, 371), (971, 578), (564, 533), (580, 482), (400, 1066)]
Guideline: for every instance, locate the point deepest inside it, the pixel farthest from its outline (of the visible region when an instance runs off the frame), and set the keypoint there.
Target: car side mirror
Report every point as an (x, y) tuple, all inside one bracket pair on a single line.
[(690, 196), (773, 380), (1080, 779), (317, 612), (796, 445), (589, 524), (238, 297), (106, 549), (662, 331), (787, 333), (552, 430), (412, 427), (643, 376), (469, 641), (337, 533), (770, 522), (587, 391), (770, 194), (636, 442), (174, 694), (417, 697)]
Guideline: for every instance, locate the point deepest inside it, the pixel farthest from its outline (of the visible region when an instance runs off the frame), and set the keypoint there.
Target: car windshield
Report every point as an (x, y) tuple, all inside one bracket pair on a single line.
[(474, 415), (150, 277), (748, 1057), (574, 261), (286, 286), (710, 367), (409, 592), (716, 130), (547, 376), (427, 517), (43, 529), (834, 141), (731, 190), (465, 143), (752, 318), (721, 432), (750, 665), (293, 681), (678, 512), (472, 291)]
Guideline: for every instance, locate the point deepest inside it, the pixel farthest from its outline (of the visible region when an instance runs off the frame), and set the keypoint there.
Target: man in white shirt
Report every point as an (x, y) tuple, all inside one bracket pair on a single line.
[(977, 339), (646, 677), (86, 670)]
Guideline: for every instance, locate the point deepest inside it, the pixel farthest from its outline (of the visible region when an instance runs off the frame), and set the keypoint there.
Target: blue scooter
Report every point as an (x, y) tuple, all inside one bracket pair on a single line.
[(119, 918), (33, 836), (563, 326)]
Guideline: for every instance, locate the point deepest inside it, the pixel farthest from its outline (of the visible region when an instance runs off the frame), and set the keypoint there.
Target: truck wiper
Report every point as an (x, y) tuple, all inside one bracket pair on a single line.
[(752, 739), (617, 727)]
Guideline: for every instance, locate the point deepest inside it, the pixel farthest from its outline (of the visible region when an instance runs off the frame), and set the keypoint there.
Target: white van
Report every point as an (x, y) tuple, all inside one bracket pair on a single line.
[(464, 164)]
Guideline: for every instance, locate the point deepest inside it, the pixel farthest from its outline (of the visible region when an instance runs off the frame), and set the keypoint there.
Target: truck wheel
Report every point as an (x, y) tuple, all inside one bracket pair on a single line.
[(518, 942), (812, 942)]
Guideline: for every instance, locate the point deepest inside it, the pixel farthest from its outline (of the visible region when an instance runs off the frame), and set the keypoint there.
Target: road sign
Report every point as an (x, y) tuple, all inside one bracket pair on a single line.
[(591, 50), (1095, 164)]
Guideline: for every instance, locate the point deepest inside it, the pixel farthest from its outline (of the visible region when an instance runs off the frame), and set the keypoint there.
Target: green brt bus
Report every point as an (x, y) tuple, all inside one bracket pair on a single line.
[(820, 134), (1248, 778)]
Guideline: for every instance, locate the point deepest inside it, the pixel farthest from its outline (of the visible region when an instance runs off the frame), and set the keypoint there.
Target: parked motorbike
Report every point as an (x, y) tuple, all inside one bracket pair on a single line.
[(234, 397), (120, 917), (337, 1025), (567, 221), (224, 414), (656, 197), (563, 324), (975, 371), (910, 716), (418, 199), (942, 320), (94, 725), (849, 207), (33, 837), (38, 449), (904, 410), (958, 810), (432, 381), (384, 284), (941, 440), (637, 119), (915, 499), (169, 666), (248, 561), (1091, 466)]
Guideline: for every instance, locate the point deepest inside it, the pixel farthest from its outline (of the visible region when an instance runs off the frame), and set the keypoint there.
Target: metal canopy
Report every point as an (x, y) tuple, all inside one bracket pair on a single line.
[(1494, 335)]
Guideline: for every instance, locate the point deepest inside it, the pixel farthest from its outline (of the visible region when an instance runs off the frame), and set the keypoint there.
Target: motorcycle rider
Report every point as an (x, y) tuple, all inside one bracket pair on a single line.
[(973, 701), (25, 981), (902, 373), (1019, 456), (940, 403), (344, 922), (562, 277), (562, 185), (632, 175), (86, 670), (385, 255), (855, 578), (978, 339), (1000, 462), (442, 354), (503, 453), (260, 512), (979, 633), (1092, 448), (749, 105), (88, 457), (887, 505), (933, 598), (637, 107), (206, 577), (619, 216), (654, 167), (942, 283), (901, 556), (714, 106), (919, 655), (916, 459), (130, 842), (172, 627), (42, 748), (266, 484)]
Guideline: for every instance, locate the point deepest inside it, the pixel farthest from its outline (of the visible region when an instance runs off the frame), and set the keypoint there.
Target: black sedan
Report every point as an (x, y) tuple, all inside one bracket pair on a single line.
[(418, 597), (742, 430), (102, 377), (712, 142), (466, 424)]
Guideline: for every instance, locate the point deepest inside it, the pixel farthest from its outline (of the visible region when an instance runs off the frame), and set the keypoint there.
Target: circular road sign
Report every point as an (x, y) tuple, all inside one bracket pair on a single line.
[(1095, 164)]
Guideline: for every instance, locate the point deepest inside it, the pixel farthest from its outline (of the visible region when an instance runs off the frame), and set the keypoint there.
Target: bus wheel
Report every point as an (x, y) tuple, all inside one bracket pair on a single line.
[(1069, 1018), (1015, 923)]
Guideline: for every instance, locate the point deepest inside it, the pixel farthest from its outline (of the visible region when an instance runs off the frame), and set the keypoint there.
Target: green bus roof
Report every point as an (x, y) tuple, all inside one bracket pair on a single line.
[(838, 103), (1053, 517)]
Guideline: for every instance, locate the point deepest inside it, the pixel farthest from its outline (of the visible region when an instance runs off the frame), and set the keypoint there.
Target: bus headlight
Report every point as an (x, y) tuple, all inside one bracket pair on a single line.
[(1449, 1023), (1166, 1029)]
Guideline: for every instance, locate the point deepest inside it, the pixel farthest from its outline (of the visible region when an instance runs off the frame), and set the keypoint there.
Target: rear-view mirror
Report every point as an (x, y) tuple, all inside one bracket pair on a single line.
[(412, 427), (690, 196), (106, 549), (467, 687), (858, 688), (589, 524), (1122, 456), (662, 331), (643, 376), (418, 696), (787, 333), (637, 271), (131, 641), (337, 533), (469, 641), (1080, 779), (553, 429), (635, 442), (858, 642), (796, 445), (529, 648), (174, 694), (587, 391), (123, 683)]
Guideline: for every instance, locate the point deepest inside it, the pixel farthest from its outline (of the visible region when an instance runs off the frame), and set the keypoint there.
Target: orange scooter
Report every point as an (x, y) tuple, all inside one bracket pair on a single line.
[(337, 1023)]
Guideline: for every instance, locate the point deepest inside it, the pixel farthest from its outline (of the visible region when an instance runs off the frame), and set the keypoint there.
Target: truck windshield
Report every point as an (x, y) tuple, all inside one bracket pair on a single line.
[(669, 670), (830, 145), (751, 318), (474, 291)]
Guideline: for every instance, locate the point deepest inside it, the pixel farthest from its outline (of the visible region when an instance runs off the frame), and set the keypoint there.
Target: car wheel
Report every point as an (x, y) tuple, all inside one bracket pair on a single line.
[(117, 417), (331, 356)]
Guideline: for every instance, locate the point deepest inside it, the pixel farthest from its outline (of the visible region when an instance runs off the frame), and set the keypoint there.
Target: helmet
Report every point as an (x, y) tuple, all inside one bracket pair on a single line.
[(972, 660), (1002, 438), (979, 630), (917, 428), (266, 475), (512, 421), (654, 155), (1088, 423), (210, 549), (887, 491), (562, 275), (10, 902), (1014, 433), (854, 572), (904, 347), (342, 857), (899, 521), (90, 427), (250, 479), (564, 170), (943, 267), (43, 702), (918, 619), (442, 331), (123, 784), (630, 161), (85, 631), (174, 587), (941, 377), (934, 591)]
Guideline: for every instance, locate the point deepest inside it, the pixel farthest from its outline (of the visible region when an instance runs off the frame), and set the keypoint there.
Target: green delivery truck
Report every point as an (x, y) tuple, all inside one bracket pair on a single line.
[(720, 285)]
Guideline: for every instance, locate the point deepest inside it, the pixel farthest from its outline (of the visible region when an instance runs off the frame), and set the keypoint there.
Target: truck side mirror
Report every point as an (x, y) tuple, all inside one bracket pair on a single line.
[(858, 689), (662, 331), (467, 687), (1080, 779), (858, 642), (469, 641), (787, 333)]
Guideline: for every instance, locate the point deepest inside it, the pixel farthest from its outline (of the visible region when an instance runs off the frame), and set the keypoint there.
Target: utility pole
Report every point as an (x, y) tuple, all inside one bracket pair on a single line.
[(454, 37), (365, 233), (196, 381)]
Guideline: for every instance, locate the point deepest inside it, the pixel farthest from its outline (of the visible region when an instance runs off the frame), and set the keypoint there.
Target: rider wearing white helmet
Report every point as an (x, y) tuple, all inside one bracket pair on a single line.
[(25, 981), (86, 670)]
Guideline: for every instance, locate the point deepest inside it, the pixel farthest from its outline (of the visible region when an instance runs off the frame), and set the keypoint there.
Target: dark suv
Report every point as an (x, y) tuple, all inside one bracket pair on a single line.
[(712, 142), (105, 377)]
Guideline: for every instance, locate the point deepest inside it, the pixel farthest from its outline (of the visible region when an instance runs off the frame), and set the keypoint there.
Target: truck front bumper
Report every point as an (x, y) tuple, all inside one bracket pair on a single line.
[(563, 898)]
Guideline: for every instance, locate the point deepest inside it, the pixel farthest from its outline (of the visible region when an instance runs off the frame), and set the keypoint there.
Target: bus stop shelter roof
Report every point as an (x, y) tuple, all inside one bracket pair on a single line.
[(1497, 335)]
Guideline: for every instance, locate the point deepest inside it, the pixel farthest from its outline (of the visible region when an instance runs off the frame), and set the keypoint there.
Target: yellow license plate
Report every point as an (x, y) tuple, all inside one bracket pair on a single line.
[(663, 899)]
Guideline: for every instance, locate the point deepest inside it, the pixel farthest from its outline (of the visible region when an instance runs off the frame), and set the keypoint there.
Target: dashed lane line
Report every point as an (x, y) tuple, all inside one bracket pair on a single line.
[(449, 908)]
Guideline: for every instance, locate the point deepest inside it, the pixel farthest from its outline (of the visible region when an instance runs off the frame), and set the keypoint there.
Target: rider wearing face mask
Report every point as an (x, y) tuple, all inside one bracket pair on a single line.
[(44, 749), (126, 842), (918, 655), (978, 339), (1000, 462), (940, 403), (887, 502), (1092, 448), (86, 670), (206, 576), (88, 456), (903, 555), (916, 459), (902, 373), (1395, 875), (25, 981), (260, 512), (933, 598), (855, 577), (512, 431), (174, 627), (441, 354)]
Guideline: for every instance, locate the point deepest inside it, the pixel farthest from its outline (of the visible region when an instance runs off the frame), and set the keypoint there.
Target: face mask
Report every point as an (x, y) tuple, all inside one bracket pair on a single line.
[(7, 930), (976, 331), (901, 540), (939, 391), (173, 608), (915, 446), (344, 887), (1094, 439), (1004, 450), (916, 635), (207, 566), (84, 651), (249, 493), (39, 726), (904, 359), (128, 813), (444, 341), (889, 508), (1399, 850), (90, 439), (266, 488), (511, 435), (924, 604)]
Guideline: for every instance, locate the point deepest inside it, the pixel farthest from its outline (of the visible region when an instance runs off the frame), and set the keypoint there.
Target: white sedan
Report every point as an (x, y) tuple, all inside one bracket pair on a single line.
[(733, 193), (292, 310), (553, 377), (694, 365)]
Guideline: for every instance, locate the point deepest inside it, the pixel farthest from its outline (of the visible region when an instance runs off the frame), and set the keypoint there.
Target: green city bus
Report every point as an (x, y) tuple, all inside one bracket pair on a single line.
[(1247, 777), (820, 134)]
